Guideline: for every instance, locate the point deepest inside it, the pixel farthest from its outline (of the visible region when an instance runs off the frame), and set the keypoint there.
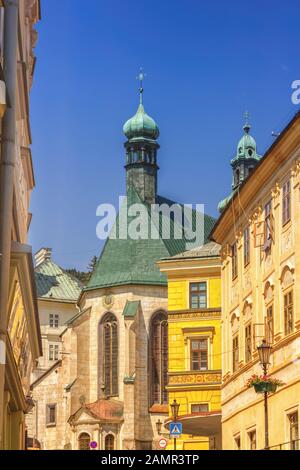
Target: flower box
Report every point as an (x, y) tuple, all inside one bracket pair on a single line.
[(264, 383), (263, 387)]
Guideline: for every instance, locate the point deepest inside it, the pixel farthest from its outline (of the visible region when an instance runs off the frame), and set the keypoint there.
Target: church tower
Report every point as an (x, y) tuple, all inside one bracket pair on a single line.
[(243, 163), (141, 152), (117, 374)]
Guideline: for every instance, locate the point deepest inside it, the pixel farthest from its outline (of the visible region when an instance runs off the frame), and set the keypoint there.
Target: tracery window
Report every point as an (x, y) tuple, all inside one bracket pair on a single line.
[(159, 358), (109, 354)]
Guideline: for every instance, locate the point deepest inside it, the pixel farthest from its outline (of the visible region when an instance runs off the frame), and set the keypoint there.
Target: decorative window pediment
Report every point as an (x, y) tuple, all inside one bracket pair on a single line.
[(268, 293), (287, 278)]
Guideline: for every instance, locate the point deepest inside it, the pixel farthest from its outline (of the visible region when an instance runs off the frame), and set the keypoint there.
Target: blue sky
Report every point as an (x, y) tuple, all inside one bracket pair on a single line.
[(206, 63)]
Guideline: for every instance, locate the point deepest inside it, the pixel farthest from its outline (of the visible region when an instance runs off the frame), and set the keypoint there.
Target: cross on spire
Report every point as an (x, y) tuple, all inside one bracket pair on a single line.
[(246, 116), (247, 126), (141, 77)]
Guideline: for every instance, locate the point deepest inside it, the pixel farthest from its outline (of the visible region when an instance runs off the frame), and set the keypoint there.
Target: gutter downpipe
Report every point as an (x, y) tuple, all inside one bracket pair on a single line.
[(8, 157)]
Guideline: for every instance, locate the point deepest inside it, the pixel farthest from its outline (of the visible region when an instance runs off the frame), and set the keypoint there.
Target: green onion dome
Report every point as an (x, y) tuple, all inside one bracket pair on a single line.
[(141, 126), (247, 145)]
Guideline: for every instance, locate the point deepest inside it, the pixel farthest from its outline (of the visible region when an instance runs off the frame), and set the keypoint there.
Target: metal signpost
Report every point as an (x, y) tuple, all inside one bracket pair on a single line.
[(175, 432)]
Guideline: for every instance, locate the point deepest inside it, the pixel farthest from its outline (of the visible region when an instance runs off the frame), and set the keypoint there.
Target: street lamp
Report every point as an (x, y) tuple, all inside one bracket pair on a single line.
[(264, 352), (175, 410), (158, 427)]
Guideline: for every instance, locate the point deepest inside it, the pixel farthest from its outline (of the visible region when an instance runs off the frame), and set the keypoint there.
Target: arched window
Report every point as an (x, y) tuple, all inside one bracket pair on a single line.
[(84, 441), (109, 442), (159, 358), (108, 355)]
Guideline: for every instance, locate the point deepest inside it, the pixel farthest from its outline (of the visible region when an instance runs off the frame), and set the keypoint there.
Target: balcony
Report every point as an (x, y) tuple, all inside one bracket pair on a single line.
[(290, 445), (195, 379)]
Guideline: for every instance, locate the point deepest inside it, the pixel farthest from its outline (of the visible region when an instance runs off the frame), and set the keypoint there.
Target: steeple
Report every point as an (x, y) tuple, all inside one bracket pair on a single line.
[(244, 162), (141, 151)]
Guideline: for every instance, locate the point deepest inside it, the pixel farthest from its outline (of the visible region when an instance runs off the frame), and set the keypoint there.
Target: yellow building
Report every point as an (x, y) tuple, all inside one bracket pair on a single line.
[(259, 231), (194, 332)]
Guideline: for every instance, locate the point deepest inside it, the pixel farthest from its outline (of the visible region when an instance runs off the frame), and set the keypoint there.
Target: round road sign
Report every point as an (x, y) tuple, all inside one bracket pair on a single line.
[(162, 443), (93, 445)]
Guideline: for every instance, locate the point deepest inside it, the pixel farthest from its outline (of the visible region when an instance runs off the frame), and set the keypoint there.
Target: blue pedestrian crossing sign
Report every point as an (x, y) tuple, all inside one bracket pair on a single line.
[(175, 429)]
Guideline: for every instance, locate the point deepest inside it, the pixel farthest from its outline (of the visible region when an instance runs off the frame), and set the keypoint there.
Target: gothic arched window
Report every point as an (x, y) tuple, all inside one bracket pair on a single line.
[(159, 358), (84, 441), (109, 442), (109, 355)]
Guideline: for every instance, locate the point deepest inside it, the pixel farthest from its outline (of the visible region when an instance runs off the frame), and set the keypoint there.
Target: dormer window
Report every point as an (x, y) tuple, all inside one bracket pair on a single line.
[(250, 152)]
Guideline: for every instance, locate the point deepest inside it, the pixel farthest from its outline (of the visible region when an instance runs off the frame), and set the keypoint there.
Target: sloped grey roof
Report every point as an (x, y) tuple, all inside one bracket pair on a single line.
[(209, 250), (52, 282)]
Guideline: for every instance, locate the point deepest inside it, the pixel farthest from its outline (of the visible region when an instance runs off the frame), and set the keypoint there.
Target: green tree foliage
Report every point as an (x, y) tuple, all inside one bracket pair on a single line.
[(84, 276)]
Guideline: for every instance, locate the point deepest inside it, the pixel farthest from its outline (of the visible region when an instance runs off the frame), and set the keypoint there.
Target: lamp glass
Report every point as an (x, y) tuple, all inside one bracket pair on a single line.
[(264, 352), (175, 409)]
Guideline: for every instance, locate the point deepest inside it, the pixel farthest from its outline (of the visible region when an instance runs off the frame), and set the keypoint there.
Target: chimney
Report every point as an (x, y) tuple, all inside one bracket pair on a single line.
[(44, 254)]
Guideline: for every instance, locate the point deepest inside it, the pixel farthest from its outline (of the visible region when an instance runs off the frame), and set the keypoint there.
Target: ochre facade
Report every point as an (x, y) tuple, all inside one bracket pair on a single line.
[(260, 236), (20, 342)]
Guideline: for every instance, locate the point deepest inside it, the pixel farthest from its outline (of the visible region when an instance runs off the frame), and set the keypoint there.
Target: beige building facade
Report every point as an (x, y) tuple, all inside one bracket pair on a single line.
[(20, 344), (57, 293), (259, 231)]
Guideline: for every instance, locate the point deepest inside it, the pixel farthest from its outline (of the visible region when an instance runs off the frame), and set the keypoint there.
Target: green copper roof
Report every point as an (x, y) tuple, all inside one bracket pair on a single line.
[(131, 308), (242, 164), (54, 283), (134, 261), (246, 147), (141, 126), (222, 204)]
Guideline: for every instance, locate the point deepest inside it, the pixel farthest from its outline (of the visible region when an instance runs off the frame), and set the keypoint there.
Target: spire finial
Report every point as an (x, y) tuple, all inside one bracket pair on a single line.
[(247, 126), (141, 77)]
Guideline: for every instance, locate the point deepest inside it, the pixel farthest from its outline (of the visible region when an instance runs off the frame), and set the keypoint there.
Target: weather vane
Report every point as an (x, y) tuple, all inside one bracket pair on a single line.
[(141, 77)]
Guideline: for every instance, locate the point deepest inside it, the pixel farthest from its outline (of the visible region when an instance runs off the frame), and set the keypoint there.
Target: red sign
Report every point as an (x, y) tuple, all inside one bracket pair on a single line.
[(162, 443)]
